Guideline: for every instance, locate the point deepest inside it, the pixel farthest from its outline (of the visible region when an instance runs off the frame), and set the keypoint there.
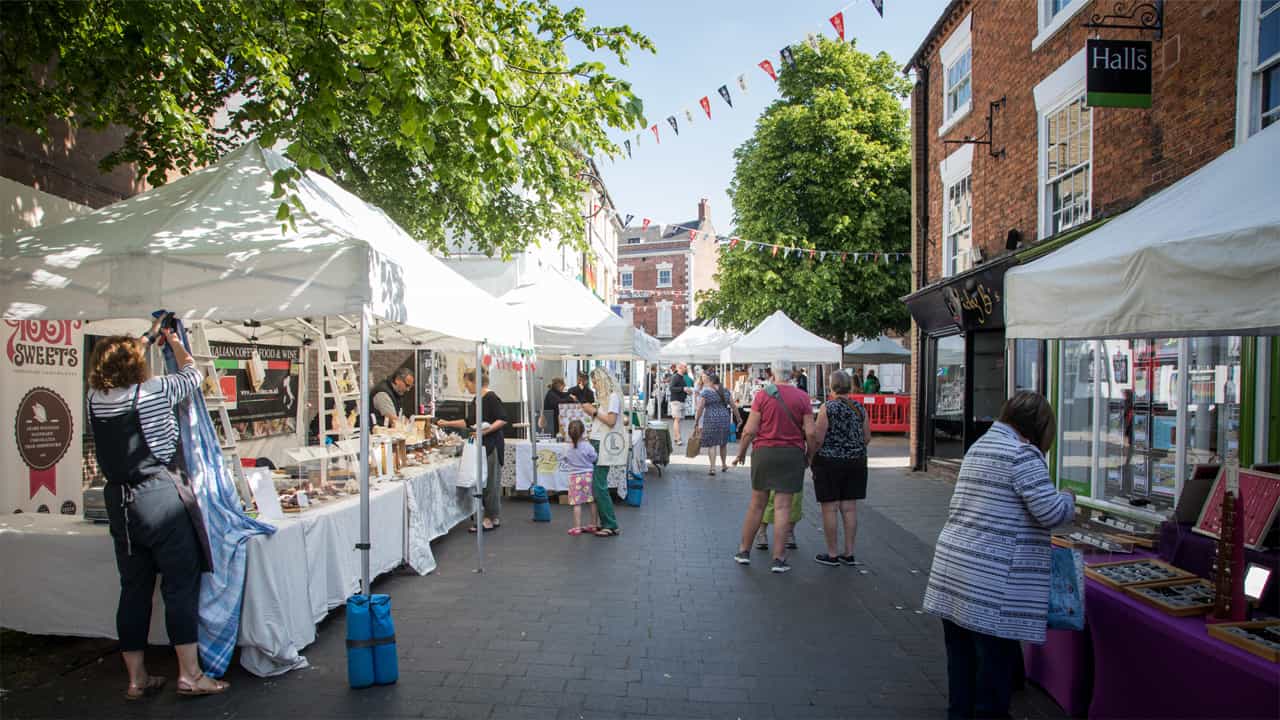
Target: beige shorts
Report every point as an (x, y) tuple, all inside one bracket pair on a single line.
[(677, 409)]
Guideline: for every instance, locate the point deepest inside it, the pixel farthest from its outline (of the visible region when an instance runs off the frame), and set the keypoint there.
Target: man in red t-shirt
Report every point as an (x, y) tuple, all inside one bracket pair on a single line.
[(780, 431)]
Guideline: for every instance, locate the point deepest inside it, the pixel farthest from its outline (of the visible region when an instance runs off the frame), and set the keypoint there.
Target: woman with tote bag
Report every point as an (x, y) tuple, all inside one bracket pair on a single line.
[(608, 437)]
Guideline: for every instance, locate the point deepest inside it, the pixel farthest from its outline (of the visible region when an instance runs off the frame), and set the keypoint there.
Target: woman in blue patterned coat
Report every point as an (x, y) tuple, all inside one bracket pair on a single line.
[(990, 576)]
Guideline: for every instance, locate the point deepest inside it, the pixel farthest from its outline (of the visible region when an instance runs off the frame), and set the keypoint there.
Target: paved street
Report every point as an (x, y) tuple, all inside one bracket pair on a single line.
[(658, 623)]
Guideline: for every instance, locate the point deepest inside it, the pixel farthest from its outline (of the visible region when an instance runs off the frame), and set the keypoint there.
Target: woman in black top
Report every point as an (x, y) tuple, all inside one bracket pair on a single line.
[(495, 422), (839, 463), (549, 421)]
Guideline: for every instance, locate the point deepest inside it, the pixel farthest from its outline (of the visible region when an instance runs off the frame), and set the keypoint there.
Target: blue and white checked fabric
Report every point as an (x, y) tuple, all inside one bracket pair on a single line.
[(221, 590), (991, 566)]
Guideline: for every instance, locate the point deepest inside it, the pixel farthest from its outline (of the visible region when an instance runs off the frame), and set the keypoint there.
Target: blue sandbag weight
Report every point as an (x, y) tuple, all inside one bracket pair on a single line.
[(635, 489), (359, 642), (386, 666), (541, 504)]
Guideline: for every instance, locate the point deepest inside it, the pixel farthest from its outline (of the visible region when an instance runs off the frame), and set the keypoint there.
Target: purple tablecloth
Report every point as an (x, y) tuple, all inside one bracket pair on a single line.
[(1194, 553), (1148, 664), (1063, 667)]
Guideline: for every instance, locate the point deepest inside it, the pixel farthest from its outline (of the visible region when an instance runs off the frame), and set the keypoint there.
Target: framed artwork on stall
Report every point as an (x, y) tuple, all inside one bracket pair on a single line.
[(1260, 492)]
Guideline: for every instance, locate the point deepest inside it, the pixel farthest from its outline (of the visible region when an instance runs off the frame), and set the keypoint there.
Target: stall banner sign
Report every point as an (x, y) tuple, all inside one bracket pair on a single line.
[(269, 407), (41, 390), (1118, 74)]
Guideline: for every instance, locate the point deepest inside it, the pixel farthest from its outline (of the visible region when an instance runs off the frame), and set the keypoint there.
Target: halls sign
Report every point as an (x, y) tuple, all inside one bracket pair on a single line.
[(1119, 73)]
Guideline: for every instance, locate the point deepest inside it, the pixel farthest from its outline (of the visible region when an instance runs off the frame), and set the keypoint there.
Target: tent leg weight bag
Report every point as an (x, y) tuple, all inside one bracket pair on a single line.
[(371, 642), (541, 504), (635, 489)]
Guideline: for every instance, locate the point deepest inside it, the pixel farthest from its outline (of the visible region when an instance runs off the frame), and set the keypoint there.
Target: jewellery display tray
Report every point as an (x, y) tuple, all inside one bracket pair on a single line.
[(1180, 598), (1133, 573), (1251, 636)]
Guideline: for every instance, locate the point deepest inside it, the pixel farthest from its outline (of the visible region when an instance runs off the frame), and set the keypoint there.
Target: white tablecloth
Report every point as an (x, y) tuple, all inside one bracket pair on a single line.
[(551, 474), (436, 505)]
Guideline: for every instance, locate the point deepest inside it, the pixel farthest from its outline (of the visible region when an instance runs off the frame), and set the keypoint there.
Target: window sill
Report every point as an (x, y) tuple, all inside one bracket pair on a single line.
[(1059, 22), (961, 114)]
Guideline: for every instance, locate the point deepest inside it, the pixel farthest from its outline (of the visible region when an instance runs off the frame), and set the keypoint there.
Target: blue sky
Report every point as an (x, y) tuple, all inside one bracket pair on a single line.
[(703, 44)]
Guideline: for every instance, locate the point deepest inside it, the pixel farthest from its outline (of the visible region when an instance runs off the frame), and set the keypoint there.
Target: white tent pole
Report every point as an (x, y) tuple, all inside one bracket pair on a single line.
[(526, 378), (481, 460), (324, 449), (365, 430)]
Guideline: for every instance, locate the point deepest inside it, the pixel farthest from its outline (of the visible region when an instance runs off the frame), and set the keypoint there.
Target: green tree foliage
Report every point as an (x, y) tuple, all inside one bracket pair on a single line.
[(454, 116), (828, 168)]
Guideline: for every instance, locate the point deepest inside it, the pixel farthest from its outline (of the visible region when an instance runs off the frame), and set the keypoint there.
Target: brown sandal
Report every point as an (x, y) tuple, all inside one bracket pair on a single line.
[(152, 686), (193, 689)]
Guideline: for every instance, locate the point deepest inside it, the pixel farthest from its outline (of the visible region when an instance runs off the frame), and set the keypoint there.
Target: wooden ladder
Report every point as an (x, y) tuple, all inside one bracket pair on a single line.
[(216, 402)]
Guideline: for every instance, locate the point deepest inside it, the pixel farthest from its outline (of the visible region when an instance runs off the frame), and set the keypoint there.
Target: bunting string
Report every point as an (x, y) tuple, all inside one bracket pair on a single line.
[(770, 67)]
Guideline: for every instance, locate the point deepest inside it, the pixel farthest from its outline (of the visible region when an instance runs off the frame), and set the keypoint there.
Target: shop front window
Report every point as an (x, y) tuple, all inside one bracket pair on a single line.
[(1028, 371), (989, 379), (1141, 395), (1075, 415), (946, 416), (1213, 400)]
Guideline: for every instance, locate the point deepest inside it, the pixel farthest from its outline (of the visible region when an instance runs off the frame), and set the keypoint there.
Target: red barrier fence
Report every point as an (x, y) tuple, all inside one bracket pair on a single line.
[(887, 413)]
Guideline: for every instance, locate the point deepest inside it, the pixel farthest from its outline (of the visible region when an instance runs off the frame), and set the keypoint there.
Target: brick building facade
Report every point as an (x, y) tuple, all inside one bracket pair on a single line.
[(1053, 167), (661, 270)]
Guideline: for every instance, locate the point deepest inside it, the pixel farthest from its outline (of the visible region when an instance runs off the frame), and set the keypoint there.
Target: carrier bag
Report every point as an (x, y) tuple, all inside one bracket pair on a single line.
[(1066, 589), (635, 489)]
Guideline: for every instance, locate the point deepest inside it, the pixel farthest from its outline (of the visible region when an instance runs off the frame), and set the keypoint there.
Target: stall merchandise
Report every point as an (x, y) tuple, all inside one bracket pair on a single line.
[(1134, 572), (1176, 597), (1260, 638), (551, 475)]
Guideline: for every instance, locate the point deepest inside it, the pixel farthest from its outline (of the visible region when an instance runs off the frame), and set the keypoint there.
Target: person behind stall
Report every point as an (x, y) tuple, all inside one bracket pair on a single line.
[(990, 577), (549, 420), (839, 462), (386, 397), (676, 396), (580, 462), (857, 381), (581, 393), (802, 380), (715, 411), (871, 385), (494, 422), (604, 419), (155, 523)]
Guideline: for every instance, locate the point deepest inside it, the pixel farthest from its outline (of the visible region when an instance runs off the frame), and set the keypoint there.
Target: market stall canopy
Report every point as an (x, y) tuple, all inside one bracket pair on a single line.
[(1201, 257), (699, 344), (646, 346), (209, 246), (880, 351), (780, 339), (569, 320)]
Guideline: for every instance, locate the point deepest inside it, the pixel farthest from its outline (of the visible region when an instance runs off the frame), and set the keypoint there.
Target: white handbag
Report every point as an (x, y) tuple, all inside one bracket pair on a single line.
[(471, 471)]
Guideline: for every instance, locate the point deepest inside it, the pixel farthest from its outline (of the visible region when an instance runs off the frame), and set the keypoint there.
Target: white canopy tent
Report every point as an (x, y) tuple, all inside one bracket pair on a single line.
[(880, 351), (699, 344), (209, 247), (570, 321), (1201, 257), (779, 338)]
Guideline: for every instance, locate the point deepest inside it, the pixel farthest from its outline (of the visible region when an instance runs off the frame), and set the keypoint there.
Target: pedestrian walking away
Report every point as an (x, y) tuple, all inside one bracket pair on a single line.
[(990, 578), (839, 462), (779, 433), (676, 395)]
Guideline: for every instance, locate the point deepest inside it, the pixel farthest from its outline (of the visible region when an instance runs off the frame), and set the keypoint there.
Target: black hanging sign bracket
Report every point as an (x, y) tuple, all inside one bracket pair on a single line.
[(1143, 16), (987, 138)]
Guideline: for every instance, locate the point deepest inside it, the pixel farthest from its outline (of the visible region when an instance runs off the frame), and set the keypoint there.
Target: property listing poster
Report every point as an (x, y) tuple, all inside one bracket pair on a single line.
[(41, 395), (260, 384)]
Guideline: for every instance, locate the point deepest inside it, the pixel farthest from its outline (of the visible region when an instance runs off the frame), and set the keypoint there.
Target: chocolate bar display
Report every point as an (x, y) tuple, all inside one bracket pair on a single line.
[(1180, 598), (1261, 638), (1135, 572)]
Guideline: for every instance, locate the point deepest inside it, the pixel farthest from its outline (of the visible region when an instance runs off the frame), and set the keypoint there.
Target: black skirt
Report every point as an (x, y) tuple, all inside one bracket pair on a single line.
[(836, 479)]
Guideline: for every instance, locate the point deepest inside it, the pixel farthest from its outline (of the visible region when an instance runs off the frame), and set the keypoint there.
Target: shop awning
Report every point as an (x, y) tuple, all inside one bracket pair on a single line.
[(881, 350), (1201, 257), (781, 339)]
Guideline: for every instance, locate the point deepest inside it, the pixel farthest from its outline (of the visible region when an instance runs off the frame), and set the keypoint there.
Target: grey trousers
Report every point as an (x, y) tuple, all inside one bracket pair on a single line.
[(493, 486)]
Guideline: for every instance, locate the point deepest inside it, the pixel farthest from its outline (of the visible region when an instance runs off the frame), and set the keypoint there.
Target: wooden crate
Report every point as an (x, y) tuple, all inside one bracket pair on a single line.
[(1176, 573), (1137, 592), (1219, 631)]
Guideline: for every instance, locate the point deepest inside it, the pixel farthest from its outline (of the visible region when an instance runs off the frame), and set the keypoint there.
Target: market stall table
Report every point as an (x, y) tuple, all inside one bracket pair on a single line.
[(550, 472)]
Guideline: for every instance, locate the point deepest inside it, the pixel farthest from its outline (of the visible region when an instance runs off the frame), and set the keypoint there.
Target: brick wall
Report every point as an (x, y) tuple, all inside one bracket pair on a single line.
[(645, 278), (1135, 152)]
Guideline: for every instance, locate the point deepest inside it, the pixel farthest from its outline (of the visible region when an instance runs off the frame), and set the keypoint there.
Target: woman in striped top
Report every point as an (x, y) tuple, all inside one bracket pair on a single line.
[(990, 576), (155, 523)]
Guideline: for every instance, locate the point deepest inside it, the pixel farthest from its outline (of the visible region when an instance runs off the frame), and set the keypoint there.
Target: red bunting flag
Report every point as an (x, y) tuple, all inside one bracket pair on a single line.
[(837, 21), (655, 134), (844, 257), (705, 102), (693, 235), (733, 242), (768, 68), (775, 251), (812, 252), (644, 224)]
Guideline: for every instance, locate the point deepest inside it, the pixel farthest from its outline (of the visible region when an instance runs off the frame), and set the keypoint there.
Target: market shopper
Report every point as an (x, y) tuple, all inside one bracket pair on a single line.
[(780, 432), (871, 385), (387, 396), (155, 523), (990, 577), (549, 420), (580, 462), (581, 392), (839, 462), (715, 412), (494, 423), (605, 418), (676, 396)]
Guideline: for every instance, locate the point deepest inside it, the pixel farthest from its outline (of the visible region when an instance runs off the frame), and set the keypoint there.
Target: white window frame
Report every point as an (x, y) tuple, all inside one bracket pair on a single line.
[(957, 45), (955, 168), (665, 307), (626, 277), (670, 270), (1049, 26), (629, 313), (1064, 86), (1250, 70)]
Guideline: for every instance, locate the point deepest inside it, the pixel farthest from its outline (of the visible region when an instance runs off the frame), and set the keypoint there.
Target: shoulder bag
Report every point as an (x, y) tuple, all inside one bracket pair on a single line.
[(772, 391)]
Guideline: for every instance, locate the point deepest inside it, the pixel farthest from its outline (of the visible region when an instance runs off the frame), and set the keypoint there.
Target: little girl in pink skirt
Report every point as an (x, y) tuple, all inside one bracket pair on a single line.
[(579, 460)]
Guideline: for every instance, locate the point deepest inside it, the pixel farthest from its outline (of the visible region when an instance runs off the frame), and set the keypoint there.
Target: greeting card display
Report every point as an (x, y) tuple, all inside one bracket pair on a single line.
[(1260, 496)]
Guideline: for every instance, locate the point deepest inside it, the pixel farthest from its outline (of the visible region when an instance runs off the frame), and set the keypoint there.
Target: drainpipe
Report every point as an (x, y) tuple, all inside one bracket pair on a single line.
[(920, 241)]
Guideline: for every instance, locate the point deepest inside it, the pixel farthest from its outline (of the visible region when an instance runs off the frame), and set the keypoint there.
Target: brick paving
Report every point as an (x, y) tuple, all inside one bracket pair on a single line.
[(657, 623)]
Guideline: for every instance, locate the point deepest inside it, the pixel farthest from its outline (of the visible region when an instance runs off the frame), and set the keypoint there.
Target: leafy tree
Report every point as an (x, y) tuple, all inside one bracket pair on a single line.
[(454, 116), (829, 169)]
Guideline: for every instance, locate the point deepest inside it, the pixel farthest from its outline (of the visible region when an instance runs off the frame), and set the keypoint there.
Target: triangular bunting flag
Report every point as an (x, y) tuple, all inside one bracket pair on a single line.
[(742, 82), (674, 127), (812, 253), (627, 222), (733, 243), (768, 68), (705, 102), (844, 257), (837, 21), (788, 59), (693, 235), (688, 115), (644, 224), (812, 39), (627, 144), (724, 93), (879, 6), (775, 251), (655, 134)]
